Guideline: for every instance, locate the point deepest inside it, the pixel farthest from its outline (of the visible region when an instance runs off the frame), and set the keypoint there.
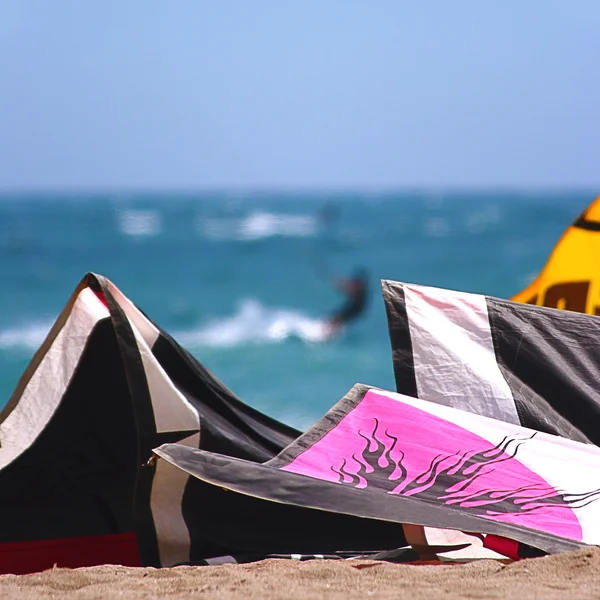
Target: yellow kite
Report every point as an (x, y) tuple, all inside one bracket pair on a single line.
[(571, 278)]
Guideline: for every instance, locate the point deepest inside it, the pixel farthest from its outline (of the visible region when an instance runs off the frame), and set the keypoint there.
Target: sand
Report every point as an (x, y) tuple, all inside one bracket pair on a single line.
[(575, 575)]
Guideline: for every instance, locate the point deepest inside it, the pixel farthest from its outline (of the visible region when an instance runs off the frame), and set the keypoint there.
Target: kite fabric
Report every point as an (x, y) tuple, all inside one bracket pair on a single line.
[(373, 455), (78, 489), (527, 365), (119, 447), (570, 279)]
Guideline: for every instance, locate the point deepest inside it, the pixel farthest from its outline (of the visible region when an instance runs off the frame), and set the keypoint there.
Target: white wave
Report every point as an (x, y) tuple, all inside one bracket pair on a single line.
[(480, 220), (139, 222), (255, 323), (29, 336), (258, 225), (437, 227)]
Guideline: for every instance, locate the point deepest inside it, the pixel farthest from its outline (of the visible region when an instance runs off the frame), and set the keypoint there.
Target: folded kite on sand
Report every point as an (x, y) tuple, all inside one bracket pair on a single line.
[(82, 486), (380, 455)]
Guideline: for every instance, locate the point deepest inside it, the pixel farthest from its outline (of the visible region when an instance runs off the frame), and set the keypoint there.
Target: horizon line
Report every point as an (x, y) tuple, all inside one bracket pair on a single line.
[(298, 189)]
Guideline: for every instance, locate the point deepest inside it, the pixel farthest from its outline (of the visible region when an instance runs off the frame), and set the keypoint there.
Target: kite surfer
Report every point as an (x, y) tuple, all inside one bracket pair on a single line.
[(328, 214), (355, 288)]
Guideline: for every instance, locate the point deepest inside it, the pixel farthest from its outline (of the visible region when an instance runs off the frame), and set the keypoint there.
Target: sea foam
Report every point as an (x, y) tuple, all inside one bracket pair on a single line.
[(255, 323)]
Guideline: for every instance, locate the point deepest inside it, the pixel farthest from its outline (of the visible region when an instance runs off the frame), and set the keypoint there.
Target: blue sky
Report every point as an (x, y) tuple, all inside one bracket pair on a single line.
[(305, 93)]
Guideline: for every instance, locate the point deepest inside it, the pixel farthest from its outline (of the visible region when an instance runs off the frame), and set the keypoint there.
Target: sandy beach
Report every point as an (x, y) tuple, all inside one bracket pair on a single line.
[(575, 575)]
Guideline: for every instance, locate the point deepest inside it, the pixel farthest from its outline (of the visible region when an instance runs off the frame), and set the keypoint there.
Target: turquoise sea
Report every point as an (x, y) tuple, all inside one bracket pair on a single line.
[(240, 278)]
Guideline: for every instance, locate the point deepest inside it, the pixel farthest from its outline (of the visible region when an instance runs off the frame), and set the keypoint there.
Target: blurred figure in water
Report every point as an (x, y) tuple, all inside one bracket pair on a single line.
[(356, 289), (328, 214), (328, 222)]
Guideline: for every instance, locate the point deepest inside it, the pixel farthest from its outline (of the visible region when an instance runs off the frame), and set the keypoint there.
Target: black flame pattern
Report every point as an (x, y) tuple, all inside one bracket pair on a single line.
[(450, 477)]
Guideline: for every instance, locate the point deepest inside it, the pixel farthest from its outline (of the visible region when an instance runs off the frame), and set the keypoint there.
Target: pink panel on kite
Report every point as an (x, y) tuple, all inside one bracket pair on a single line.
[(393, 446)]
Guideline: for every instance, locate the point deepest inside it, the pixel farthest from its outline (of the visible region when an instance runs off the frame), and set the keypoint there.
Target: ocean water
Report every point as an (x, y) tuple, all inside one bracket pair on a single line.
[(240, 278)]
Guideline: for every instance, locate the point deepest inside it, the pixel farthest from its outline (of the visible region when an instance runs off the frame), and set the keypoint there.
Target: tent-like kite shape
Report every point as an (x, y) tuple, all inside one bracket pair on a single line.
[(77, 487)]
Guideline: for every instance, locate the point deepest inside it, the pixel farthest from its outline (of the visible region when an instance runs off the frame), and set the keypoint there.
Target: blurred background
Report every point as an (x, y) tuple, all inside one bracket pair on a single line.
[(222, 162)]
